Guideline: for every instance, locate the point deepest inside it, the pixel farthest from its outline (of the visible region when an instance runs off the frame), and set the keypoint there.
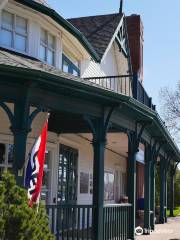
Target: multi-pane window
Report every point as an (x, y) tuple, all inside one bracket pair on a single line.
[(69, 67), (6, 157), (47, 47), (67, 175), (14, 31)]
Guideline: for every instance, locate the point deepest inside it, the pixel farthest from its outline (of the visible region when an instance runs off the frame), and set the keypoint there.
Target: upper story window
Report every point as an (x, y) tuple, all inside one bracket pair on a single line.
[(47, 47), (14, 31), (69, 67)]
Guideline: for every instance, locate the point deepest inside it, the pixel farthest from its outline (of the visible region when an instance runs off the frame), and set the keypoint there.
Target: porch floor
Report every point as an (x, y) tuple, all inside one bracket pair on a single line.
[(167, 231)]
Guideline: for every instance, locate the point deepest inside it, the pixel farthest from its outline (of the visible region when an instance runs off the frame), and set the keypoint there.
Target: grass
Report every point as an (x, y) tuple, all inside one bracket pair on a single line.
[(176, 211)]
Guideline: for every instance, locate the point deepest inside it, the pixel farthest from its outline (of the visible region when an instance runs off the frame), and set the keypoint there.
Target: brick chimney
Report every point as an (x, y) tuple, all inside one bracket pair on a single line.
[(136, 41)]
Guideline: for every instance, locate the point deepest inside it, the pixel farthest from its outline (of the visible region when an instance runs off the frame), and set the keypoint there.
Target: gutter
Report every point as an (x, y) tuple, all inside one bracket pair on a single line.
[(62, 22)]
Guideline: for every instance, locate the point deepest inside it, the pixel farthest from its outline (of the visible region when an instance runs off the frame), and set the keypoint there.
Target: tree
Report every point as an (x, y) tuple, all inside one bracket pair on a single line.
[(170, 111), (17, 220), (170, 108)]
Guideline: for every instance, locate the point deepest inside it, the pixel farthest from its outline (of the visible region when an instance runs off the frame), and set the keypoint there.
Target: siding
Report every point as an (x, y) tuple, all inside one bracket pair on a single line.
[(106, 68)]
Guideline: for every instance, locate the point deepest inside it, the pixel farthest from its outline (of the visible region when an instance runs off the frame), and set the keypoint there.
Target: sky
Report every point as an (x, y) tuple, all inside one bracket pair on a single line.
[(161, 20)]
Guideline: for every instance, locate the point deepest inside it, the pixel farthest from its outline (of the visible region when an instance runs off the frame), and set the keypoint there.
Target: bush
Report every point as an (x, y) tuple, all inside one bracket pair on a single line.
[(17, 220)]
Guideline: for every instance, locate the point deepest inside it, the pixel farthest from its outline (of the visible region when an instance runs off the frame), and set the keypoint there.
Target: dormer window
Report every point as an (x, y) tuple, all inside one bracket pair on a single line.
[(47, 47), (14, 31)]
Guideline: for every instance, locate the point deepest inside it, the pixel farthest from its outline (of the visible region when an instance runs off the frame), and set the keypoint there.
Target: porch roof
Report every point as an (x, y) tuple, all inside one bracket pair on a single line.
[(32, 70)]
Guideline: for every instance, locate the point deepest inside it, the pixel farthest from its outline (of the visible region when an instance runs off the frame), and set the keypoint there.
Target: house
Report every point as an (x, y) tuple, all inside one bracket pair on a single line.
[(105, 136)]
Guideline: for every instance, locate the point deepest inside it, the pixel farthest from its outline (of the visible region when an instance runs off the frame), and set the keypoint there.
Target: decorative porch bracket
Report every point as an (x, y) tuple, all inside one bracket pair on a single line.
[(172, 174), (134, 139), (99, 128), (20, 120)]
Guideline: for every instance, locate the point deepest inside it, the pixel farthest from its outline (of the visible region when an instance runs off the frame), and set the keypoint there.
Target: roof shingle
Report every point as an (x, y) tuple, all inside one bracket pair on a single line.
[(99, 30)]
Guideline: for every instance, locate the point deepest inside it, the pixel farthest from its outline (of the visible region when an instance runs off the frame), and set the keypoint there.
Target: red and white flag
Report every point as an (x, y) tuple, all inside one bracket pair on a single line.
[(35, 167)]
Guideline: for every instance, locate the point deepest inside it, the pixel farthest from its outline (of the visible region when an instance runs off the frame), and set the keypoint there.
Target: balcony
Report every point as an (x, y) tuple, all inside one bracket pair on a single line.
[(128, 85), (75, 222)]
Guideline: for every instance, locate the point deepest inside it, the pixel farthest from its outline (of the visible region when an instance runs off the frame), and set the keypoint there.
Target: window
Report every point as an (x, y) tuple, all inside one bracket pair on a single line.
[(108, 186), (67, 175), (120, 185), (14, 31), (69, 67), (6, 157), (47, 47)]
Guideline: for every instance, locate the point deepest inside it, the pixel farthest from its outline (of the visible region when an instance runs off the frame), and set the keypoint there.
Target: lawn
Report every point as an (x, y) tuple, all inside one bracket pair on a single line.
[(176, 211)]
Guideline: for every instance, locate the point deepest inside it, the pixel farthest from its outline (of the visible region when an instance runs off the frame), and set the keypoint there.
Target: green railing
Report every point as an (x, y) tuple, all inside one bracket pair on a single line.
[(74, 222), (71, 222), (117, 221)]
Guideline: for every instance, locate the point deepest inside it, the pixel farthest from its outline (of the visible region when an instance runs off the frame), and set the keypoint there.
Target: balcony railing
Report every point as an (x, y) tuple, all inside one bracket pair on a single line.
[(128, 85), (75, 222)]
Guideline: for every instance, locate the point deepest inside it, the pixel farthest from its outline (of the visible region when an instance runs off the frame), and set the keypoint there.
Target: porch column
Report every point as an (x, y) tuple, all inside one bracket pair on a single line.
[(152, 196), (162, 191), (20, 130), (165, 209), (172, 192), (132, 184), (99, 128), (98, 184), (147, 180)]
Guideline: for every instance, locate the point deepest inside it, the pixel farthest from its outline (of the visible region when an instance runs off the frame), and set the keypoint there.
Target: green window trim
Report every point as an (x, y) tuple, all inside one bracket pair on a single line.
[(71, 66)]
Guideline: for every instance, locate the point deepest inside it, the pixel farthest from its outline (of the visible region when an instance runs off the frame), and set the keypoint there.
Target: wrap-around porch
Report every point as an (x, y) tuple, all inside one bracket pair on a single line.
[(80, 108)]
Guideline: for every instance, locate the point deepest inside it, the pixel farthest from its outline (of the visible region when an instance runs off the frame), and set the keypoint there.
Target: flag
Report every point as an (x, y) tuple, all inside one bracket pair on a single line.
[(35, 167)]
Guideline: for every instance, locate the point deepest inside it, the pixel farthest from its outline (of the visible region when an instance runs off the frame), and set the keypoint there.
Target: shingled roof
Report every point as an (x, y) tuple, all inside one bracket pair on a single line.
[(99, 30)]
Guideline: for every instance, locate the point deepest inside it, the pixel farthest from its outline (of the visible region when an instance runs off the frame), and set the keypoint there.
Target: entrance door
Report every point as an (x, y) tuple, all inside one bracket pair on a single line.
[(67, 175)]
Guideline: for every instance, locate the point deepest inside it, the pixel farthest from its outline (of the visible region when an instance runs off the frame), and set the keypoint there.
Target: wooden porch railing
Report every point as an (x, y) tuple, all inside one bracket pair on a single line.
[(128, 85), (75, 222), (117, 221)]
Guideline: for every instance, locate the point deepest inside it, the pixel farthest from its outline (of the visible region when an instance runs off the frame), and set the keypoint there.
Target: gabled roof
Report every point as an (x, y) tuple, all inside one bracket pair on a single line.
[(99, 30)]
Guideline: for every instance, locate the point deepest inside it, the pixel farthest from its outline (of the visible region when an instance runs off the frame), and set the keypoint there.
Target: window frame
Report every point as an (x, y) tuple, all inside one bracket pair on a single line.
[(6, 165), (47, 47), (71, 65), (14, 32)]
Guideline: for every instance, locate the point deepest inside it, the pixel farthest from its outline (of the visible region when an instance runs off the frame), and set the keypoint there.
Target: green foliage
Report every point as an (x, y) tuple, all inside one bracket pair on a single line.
[(177, 188), (176, 211), (17, 220)]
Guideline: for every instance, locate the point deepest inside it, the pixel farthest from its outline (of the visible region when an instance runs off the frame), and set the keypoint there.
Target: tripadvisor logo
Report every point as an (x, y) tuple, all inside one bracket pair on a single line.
[(139, 231)]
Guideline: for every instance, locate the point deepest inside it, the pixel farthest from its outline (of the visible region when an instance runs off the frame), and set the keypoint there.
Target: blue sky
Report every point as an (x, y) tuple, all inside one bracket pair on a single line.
[(161, 34)]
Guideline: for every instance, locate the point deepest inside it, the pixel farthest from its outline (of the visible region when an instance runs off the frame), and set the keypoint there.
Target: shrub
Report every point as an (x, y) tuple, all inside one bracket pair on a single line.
[(17, 220)]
